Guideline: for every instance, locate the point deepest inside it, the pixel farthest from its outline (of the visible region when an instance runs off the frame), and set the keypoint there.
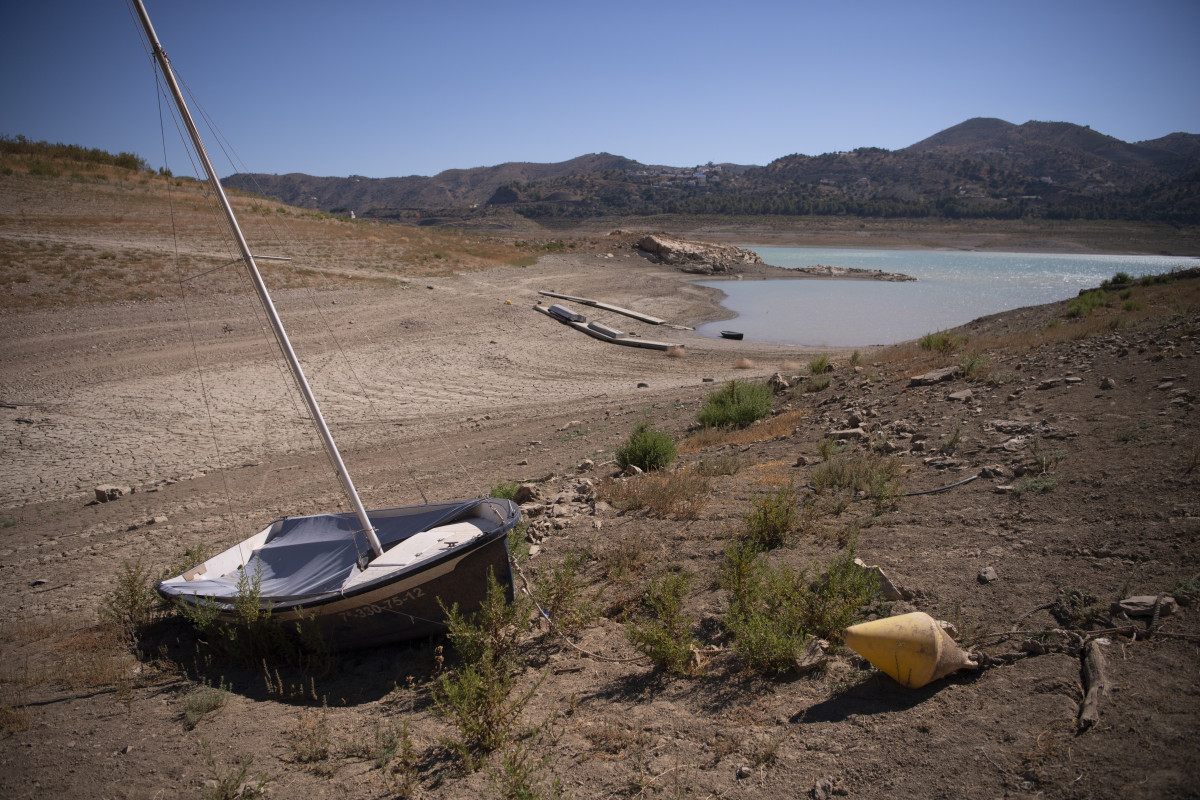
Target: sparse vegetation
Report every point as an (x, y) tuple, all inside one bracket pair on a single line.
[(681, 493), (819, 365)]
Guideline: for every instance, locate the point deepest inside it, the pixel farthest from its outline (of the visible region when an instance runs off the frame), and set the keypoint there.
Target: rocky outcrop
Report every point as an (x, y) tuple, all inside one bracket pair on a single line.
[(702, 258), (853, 273)]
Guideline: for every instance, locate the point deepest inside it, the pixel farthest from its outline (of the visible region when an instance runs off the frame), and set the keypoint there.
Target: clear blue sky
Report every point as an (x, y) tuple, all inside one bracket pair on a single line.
[(401, 88)]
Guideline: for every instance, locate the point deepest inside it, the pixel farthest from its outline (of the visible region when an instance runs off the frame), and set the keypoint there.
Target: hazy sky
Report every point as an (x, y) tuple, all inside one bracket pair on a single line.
[(401, 88)]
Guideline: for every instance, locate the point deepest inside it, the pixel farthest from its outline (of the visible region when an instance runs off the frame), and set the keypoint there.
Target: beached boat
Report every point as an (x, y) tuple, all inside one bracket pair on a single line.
[(361, 577), (731, 334)]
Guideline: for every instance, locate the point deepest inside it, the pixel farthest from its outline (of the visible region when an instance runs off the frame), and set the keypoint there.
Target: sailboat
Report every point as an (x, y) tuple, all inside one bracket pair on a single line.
[(362, 577)]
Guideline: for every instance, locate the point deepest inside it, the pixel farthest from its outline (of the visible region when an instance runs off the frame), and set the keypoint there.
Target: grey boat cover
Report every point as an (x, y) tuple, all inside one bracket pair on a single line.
[(310, 556)]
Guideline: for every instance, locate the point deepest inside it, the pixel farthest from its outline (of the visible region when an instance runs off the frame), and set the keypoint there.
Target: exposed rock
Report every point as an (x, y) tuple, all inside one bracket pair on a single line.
[(1143, 606), (849, 433), (703, 258), (106, 492), (936, 376), (966, 395), (778, 383), (526, 493), (1049, 383), (988, 575), (826, 271)]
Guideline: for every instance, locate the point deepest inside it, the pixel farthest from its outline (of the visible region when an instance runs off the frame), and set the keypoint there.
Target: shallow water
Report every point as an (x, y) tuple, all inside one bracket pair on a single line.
[(953, 288)]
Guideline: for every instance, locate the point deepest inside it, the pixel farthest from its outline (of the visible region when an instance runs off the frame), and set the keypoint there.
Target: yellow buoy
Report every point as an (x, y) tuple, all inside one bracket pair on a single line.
[(912, 648)]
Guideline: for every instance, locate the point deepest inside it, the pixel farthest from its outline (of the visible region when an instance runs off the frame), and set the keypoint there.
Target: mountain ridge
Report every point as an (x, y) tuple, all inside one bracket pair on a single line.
[(983, 167)]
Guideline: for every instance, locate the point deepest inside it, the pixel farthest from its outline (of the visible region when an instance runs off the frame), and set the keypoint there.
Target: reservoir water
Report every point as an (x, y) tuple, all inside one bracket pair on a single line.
[(952, 288)]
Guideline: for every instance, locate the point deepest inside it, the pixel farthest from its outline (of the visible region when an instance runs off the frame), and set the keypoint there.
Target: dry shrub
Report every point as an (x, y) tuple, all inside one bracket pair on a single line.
[(775, 427), (743, 363), (788, 366), (676, 351), (682, 494)]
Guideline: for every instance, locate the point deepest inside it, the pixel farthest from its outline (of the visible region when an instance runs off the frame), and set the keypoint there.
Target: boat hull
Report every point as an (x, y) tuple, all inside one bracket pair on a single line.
[(309, 574)]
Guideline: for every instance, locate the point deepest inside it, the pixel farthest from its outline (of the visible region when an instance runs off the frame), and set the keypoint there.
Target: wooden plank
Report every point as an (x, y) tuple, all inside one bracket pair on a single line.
[(595, 334), (649, 320)]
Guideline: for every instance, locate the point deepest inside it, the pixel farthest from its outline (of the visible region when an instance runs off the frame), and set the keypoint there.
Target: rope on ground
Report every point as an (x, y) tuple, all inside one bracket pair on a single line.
[(554, 627)]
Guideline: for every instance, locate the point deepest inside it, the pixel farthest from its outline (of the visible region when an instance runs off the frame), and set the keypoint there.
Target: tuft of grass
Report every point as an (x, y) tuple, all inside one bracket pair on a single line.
[(817, 383), (232, 783), (729, 463), (856, 359), (311, 741), (736, 404), (560, 590), (663, 633), (776, 427), (133, 603), (1086, 303), (848, 474), (504, 490), (647, 449), (772, 519), (943, 342), (975, 364), (202, 702), (743, 363), (819, 365), (682, 493), (1035, 484)]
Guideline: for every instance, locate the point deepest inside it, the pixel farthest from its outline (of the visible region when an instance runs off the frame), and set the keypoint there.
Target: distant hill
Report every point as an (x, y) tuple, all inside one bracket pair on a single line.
[(986, 168)]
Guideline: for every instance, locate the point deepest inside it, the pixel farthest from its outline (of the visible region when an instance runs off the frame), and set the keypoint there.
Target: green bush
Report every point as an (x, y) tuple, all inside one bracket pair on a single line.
[(504, 490), (647, 449), (943, 342), (664, 633), (477, 695), (773, 610), (819, 365), (1122, 278), (736, 404), (1086, 302), (772, 519)]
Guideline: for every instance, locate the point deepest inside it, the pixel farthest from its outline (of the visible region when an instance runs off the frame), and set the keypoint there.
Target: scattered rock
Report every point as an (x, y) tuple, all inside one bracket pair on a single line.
[(886, 587), (526, 493), (936, 376), (1048, 383), (965, 396), (585, 465), (744, 772), (1143, 605), (38, 582), (849, 433), (814, 656), (778, 383), (988, 575), (106, 492), (643, 385)]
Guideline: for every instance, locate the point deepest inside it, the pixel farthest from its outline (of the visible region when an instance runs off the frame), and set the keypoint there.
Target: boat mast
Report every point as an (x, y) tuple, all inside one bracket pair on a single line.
[(260, 287)]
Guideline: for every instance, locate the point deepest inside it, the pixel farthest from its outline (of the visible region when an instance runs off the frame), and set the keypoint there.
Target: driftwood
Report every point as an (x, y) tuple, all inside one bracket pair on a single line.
[(1095, 683)]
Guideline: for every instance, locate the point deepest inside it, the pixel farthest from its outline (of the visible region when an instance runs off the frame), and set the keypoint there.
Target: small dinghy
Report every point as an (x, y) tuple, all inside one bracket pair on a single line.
[(731, 334)]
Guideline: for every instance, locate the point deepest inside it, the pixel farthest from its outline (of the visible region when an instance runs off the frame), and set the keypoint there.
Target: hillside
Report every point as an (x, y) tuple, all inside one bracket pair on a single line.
[(982, 168)]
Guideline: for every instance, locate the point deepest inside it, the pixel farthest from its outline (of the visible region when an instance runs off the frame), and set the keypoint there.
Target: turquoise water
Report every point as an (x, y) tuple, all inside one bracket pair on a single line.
[(953, 288)]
